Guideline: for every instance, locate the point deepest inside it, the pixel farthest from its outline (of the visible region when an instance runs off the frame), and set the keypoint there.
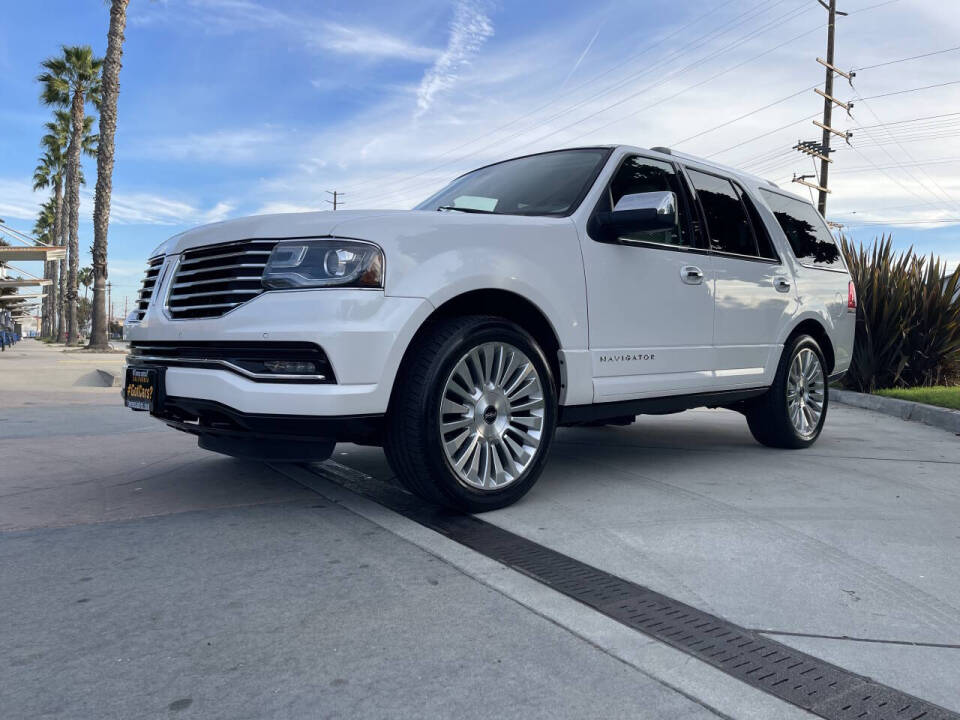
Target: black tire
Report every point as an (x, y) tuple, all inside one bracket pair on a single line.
[(768, 416), (413, 439)]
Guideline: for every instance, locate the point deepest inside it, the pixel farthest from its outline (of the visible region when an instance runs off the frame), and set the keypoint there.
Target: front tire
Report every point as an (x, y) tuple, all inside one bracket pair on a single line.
[(792, 412), (472, 415)]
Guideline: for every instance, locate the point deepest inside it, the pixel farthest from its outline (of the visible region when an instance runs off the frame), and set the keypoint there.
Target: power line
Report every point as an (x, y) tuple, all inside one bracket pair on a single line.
[(775, 23), (910, 90), (951, 221), (919, 137), (681, 92), (673, 55), (911, 120), (906, 59), (584, 83), (894, 179), (864, 168), (766, 134)]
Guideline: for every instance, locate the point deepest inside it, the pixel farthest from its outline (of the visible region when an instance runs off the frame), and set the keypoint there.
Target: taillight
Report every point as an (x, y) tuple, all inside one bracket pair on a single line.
[(851, 297)]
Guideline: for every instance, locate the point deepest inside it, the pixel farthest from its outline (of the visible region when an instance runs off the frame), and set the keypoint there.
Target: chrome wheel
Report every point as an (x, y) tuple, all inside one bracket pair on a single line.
[(491, 416), (805, 392)]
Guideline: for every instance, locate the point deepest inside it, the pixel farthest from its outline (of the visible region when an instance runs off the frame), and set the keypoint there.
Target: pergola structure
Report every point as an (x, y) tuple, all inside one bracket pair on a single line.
[(30, 248), (35, 253)]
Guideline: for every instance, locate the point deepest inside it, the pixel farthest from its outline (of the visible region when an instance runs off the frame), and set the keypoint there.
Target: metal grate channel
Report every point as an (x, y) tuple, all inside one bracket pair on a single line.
[(211, 281), (147, 285), (796, 677)]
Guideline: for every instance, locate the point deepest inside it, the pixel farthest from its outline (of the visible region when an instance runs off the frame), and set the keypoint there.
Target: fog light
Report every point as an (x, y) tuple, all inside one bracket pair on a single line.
[(291, 367)]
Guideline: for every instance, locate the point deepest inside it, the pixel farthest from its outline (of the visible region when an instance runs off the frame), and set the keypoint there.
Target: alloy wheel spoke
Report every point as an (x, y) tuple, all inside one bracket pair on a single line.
[(491, 416)]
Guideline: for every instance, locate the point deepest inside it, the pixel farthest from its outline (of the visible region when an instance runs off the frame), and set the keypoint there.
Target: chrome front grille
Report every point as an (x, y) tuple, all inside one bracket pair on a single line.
[(211, 281), (147, 285)]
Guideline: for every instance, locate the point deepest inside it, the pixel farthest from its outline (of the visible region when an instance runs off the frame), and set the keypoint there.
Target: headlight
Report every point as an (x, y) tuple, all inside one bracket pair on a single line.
[(324, 263)]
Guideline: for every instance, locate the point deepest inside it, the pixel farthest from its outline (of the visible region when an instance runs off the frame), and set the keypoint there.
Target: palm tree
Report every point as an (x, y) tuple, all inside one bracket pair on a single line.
[(49, 172), (101, 207), (85, 278), (52, 166), (44, 230), (72, 80)]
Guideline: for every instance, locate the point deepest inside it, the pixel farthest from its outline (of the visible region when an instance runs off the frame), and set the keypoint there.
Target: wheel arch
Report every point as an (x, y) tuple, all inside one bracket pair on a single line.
[(501, 303), (816, 330)]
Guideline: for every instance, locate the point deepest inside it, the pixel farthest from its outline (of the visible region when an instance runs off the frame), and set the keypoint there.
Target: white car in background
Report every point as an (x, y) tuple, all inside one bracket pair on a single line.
[(581, 286)]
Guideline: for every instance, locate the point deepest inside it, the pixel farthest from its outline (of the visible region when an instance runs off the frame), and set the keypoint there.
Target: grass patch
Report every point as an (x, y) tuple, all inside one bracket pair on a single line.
[(948, 397)]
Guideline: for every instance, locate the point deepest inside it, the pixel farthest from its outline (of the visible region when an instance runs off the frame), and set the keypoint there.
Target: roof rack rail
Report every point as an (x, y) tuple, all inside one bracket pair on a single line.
[(661, 149)]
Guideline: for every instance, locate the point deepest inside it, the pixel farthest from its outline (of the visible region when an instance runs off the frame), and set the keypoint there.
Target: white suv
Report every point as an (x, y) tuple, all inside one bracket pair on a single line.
[(580, 286)]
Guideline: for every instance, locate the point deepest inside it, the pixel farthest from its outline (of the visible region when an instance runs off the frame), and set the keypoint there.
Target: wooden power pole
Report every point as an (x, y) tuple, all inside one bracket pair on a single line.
[(821, 150), (336, 198)]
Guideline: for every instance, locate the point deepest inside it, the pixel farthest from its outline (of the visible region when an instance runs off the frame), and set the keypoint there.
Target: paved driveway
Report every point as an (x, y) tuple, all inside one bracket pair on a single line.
[(856, 538), (144, 577)]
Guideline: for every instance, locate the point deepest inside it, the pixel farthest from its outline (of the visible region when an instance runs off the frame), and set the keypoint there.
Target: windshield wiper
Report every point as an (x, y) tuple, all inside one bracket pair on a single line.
[(466, 210)]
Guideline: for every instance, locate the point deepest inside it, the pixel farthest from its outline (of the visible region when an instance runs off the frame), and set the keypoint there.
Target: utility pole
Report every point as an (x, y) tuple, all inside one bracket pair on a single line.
[(336, 198), (110, 306), (827, 106), (821, 150)]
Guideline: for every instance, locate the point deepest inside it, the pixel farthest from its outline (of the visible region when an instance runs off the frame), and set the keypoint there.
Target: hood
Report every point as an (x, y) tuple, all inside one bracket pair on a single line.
[(267, 227), (372, 225)]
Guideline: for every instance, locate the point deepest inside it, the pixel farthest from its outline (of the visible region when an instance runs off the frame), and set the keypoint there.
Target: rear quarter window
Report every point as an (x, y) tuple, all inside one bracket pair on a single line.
[(806, 231)]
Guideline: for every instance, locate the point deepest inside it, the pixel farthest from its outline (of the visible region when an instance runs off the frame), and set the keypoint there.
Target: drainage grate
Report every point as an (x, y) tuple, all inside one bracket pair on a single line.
[(803, 680)]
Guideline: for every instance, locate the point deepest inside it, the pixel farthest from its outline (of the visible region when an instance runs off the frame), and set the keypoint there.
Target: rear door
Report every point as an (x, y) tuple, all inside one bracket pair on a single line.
[(755, 294), (649, 296)]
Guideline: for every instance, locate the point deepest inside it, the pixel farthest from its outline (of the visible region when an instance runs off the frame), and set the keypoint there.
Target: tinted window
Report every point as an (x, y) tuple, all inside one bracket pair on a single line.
[(764, 243), (727, 224), (546, 184), (808, 235), (640, 175)]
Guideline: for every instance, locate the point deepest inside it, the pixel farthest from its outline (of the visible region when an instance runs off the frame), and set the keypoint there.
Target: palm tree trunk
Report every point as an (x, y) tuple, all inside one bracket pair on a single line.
[(101, 208), (54, 294), (62, 302), (73, 204)]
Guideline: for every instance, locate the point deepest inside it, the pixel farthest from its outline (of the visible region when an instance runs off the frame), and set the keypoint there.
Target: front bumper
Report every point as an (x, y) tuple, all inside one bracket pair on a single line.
[(363, 334), (266, 437)]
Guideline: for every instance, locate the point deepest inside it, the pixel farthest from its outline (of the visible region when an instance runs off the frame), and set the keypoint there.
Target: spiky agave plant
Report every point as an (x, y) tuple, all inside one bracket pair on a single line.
[(883, 283), (933, 338)]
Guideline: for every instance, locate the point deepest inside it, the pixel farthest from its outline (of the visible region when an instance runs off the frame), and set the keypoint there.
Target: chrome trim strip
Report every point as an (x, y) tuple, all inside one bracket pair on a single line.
[(216, 280), (221, 267), (180, 308), (228, 365), (181, 296), (230, 254)]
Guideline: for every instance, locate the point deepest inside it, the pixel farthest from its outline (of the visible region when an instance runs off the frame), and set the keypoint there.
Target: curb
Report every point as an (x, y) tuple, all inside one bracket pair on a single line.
[(904, 409)]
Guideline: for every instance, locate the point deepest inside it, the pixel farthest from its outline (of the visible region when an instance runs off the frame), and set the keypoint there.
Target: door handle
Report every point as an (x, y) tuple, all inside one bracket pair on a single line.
[(781, 284), (691, 275)]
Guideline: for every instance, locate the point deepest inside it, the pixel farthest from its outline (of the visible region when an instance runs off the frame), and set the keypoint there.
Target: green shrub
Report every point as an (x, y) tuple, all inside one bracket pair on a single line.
[(908, 325)]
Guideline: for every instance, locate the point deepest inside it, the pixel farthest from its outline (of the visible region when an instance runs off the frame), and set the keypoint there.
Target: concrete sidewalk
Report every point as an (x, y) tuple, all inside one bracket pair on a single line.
[(145, 577), (848, 550)]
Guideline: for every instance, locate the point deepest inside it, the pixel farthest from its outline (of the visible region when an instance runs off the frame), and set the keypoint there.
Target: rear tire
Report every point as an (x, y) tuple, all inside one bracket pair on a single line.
[(792, 412), (472, 414)]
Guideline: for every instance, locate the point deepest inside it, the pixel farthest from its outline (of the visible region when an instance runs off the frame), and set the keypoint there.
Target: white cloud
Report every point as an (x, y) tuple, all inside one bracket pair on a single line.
[(237, 16), (151, 209), (470, 28), (18, 200), (239, 146), (370, 42)]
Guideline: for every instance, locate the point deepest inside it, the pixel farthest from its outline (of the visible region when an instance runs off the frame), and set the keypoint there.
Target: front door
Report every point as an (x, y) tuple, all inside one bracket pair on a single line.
[(649, 297)]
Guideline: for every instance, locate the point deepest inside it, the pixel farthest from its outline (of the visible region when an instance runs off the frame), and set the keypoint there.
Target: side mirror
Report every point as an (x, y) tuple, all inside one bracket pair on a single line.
[(639, 213)]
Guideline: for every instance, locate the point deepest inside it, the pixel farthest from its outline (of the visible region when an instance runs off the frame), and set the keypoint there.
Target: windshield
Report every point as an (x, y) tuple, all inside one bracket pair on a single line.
[(548, 184)]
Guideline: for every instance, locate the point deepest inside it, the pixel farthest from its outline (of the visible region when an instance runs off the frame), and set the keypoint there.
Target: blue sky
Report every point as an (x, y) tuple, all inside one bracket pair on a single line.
[(234, 107)]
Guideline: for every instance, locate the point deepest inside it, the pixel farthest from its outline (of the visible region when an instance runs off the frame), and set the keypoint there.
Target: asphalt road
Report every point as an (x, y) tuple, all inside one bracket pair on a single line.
[(143, 577)]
